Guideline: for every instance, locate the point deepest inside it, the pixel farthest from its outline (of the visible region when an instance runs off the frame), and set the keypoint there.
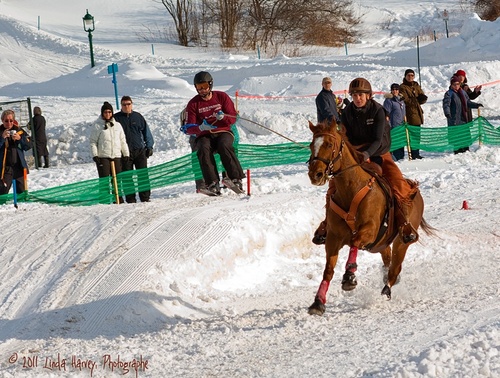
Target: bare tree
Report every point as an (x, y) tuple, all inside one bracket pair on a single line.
[(181, 12), (272, 23), (225, 15)]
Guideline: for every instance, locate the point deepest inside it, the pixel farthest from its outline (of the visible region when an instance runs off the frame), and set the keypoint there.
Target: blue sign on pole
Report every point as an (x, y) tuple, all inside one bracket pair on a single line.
[(113, 68)]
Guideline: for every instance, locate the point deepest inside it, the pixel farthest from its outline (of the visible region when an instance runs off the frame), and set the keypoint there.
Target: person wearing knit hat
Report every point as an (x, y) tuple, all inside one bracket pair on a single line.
[(409, 71), (472, 93), (414, 97), (455, 79), (108, 147), (396, 109), (456, 104), (106, 106), (326, 103)]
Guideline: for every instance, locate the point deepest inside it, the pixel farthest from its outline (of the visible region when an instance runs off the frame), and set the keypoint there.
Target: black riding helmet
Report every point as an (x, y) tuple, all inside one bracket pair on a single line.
[(203, 77)]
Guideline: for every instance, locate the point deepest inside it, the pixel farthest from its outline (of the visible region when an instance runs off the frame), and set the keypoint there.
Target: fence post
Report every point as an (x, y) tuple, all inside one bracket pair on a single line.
[(408, 142), (480, 127)]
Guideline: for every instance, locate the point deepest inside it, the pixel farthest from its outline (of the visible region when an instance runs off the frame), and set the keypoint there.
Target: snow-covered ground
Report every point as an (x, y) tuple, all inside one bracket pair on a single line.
[(192, 286)]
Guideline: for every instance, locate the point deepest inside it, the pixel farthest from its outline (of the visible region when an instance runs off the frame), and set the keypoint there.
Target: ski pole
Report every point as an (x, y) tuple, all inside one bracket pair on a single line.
[(115, 182)]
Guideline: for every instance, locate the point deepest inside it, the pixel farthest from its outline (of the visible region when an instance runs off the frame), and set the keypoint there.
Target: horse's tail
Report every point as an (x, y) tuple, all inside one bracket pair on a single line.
[(428, 229)]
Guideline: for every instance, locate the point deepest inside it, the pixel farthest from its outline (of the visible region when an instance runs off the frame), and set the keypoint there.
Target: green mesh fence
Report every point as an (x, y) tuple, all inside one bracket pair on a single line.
[(442, 139), (187, 168)]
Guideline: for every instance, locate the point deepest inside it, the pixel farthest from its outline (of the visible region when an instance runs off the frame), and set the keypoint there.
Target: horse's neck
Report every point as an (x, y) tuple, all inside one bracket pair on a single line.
[(351, 176)]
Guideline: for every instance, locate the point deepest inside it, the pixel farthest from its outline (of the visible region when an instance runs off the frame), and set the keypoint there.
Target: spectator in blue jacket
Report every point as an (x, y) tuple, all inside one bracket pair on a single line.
[(456, 103), (396, 108), (13, 143), (326, 103), (140, 143)]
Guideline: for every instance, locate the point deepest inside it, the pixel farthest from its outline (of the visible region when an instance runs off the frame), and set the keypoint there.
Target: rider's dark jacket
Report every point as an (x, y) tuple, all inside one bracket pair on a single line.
[(367, 127)]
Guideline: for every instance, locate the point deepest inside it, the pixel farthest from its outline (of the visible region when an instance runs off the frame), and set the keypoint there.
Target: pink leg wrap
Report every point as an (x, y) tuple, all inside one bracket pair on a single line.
[(323, 288), (351, 264)]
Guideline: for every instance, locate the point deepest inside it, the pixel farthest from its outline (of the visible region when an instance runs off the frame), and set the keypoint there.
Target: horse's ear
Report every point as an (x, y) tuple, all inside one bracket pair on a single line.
[(333, 125), (311, 126)]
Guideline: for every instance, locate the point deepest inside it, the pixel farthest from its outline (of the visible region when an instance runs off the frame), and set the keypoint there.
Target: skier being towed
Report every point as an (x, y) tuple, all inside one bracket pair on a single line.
[(209, 116)]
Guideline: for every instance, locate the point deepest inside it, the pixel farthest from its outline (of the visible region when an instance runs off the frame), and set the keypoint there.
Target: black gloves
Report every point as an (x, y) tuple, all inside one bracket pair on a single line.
[(97, 161), (422, 99), (480, 105), (125, 159), (346, 101), (149, 152)]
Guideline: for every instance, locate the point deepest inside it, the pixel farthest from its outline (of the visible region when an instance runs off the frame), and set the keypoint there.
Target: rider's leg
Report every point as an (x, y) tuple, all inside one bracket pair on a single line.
[(404, 193)]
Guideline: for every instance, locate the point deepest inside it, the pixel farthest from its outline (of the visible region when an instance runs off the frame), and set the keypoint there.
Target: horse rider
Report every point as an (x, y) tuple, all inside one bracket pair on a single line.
[(367, 128)]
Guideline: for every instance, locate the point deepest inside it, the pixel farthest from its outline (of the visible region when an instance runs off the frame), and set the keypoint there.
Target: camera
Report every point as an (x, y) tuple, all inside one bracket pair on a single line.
[(13, 132)]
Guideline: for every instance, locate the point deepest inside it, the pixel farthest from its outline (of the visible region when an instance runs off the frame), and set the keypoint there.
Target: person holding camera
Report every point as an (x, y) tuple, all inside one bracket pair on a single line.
[(13, 142), (414, 97)]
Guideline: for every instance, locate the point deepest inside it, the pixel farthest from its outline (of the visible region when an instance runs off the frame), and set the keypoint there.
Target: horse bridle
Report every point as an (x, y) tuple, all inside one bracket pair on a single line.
[(333, 159)]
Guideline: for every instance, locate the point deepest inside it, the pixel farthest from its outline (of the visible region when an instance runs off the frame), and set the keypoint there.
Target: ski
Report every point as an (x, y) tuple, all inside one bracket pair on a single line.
[(207, 192), (231, 185)]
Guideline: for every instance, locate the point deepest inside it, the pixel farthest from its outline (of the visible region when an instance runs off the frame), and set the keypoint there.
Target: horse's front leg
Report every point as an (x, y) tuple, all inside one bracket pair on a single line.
[(318, 307), (349, 281)]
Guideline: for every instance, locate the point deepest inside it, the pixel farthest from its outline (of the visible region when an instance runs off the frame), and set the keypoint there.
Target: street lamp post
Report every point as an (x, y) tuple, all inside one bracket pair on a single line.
[(89, 26), (446, 18)]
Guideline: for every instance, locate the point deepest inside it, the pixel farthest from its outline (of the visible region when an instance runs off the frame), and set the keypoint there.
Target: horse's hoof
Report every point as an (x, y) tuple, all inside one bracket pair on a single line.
[(349, 281), (386, 291), (317, 308)]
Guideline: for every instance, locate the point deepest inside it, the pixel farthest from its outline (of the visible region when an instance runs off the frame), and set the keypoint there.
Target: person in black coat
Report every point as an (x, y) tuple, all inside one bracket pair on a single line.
[(39, 125), (140, 143), (326, 103)]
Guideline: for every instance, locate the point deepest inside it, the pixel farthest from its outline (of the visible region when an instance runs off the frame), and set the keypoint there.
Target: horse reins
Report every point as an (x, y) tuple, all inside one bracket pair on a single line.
[(329, 163)]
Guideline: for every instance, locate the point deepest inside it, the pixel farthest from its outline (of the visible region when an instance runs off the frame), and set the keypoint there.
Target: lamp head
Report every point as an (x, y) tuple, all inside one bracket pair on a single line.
[(88, 22)]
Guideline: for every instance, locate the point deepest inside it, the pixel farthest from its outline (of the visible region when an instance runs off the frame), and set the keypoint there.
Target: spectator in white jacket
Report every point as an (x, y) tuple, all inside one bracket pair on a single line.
[(108, 143)]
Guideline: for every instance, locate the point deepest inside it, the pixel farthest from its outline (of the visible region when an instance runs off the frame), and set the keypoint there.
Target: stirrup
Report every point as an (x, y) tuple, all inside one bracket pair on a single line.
[(408, 233)]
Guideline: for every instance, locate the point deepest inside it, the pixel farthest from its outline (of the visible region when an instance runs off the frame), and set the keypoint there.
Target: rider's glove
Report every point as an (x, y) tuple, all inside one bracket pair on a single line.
[(205, 126), (219, 115)]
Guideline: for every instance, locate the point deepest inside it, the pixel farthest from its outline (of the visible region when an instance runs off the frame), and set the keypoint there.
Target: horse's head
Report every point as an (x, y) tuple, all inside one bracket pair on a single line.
[(326, 149)]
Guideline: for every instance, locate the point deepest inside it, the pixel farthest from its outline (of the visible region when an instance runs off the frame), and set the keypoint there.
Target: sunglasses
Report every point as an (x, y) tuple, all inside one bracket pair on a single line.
[(202, 86)]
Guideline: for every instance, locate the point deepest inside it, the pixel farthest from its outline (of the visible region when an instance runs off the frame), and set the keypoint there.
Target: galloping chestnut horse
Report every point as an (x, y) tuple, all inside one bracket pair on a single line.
[(360, 213)]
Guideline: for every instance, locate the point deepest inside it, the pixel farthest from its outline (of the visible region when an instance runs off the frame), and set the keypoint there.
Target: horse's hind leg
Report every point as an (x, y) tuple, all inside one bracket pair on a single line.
[(399, 249), (349, 278), (386, 255)]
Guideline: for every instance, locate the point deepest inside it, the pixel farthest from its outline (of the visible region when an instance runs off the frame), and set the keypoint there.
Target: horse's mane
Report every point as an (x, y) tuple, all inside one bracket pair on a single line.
[(339, 128)]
